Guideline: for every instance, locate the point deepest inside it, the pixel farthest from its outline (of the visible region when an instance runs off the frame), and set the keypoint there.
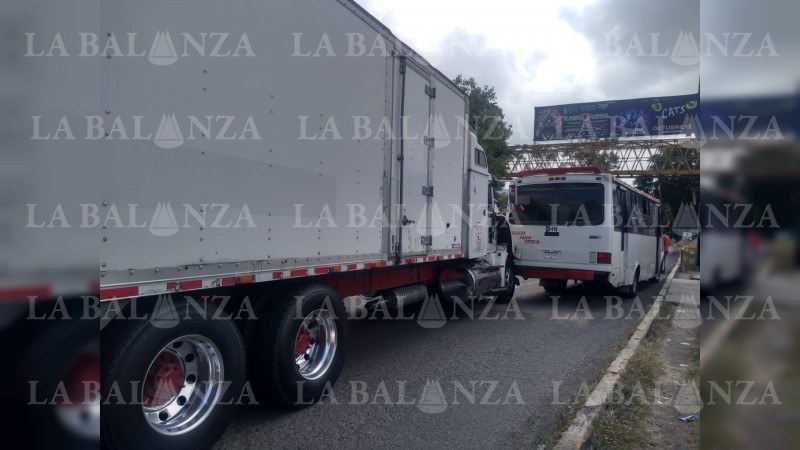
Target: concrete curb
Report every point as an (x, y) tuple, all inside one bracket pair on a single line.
[(578, 431)]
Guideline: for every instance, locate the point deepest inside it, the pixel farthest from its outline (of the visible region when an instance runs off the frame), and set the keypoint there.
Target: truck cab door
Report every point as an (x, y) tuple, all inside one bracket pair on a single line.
[(480, 211)]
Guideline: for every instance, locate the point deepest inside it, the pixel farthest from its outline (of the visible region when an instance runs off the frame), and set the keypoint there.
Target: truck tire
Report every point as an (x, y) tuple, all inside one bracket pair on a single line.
[(170, 386), (64, 355), (299, 346), (511, 285)]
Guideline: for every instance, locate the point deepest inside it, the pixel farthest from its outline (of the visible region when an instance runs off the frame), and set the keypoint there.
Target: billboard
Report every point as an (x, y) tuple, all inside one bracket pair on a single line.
[(640, 117)]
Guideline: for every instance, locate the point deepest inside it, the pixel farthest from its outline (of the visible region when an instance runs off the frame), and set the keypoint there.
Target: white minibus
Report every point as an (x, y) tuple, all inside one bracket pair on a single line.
[(580, 224)]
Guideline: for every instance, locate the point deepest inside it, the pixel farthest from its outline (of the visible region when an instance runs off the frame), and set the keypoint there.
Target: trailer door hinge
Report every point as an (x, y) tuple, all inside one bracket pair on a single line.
[(431, 91), (428, 141), (427, 240), (427, 190)]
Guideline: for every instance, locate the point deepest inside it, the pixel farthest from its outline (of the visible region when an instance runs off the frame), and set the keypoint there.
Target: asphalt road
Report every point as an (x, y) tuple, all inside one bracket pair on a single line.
[(499, 379)]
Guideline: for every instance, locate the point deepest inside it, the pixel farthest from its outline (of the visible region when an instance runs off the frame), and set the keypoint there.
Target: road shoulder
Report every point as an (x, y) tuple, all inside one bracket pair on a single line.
[(578, 432)]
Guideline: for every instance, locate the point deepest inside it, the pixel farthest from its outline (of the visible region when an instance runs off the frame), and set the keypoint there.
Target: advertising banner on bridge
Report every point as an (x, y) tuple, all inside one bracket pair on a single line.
[(641, 117)]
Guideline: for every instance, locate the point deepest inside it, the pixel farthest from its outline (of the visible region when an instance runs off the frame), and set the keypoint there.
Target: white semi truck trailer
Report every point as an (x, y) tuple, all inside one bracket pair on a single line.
[(297, 152)]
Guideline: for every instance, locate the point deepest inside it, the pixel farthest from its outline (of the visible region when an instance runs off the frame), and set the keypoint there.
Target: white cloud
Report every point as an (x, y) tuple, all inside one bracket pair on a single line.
[(532, 52)]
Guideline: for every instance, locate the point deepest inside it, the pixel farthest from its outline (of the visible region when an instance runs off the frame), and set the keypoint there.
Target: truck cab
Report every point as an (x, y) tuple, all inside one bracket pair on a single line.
[(480, 202)]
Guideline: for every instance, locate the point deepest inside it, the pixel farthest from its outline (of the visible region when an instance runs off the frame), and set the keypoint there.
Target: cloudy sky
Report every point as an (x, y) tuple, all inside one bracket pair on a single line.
[(539, 53)]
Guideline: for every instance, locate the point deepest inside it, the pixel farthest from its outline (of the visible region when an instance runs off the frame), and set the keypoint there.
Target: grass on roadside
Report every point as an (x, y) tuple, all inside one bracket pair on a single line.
[(662, 323), (693, 371), (577, 399), (622, 424), (693, 375)]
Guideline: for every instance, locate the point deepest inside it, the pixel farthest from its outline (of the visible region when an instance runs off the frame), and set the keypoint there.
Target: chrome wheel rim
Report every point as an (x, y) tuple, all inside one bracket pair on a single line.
[(182, 385), (315, 344)]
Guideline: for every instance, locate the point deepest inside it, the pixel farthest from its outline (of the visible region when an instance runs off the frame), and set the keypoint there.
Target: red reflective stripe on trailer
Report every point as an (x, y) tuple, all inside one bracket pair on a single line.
[(184, 285), (172, 286), (191, 284), (23, 292), (557, 274), (121, 292)]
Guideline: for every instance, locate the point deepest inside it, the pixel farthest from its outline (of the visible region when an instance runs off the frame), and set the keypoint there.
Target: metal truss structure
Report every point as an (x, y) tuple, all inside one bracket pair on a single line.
[(626, 158)]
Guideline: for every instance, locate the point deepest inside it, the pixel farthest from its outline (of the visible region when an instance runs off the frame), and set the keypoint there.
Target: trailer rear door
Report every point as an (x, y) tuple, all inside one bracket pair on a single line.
[(415, 208)]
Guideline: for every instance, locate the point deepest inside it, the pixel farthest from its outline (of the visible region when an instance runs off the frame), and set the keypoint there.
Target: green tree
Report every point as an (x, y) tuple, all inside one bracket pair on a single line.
[(672, 190), (487, 119), (502, 200)]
